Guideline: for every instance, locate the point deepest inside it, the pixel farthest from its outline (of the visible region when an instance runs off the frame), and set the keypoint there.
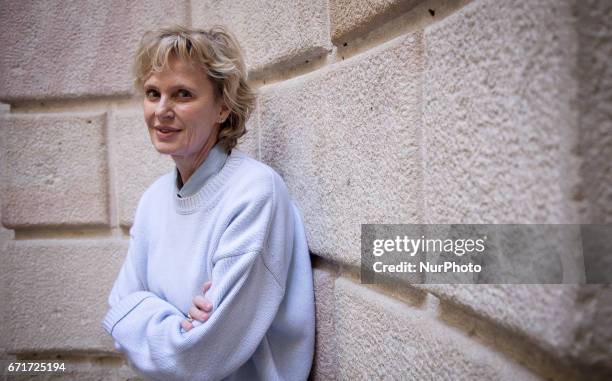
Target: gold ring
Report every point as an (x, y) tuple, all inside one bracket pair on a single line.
[(189, 317)]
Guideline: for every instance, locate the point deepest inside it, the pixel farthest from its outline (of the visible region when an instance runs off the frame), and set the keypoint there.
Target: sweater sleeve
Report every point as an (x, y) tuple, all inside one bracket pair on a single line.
[(129, 280), (246, 294)]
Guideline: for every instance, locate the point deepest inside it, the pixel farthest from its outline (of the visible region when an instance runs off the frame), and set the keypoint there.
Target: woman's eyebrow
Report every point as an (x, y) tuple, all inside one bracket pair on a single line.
[(149, 83), (172, 87), (182, 86)]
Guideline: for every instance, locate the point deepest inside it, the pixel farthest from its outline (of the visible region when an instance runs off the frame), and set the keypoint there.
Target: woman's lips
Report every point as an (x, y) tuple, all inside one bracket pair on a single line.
[(166, 133)]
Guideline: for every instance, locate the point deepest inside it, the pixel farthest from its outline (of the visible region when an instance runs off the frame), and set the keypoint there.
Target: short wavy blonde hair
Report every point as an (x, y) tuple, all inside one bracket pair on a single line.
[(218, 53)]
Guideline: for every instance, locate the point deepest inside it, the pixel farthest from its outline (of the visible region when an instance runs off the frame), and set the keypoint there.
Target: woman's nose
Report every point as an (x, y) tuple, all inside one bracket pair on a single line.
[(164, 109)]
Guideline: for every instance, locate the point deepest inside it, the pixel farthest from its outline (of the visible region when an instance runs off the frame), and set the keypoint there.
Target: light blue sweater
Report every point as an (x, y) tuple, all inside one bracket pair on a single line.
[(242, 231)]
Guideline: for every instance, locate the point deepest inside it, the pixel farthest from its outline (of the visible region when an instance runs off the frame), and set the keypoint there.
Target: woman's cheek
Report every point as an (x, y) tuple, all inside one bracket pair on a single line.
[(189, 137), (149, 113)]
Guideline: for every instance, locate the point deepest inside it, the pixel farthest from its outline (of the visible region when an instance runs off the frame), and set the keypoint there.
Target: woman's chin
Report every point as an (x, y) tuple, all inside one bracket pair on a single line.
[(164, 148)]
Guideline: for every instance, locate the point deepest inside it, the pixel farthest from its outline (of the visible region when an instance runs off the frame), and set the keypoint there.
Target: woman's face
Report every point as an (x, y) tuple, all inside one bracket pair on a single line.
[(181, 113)]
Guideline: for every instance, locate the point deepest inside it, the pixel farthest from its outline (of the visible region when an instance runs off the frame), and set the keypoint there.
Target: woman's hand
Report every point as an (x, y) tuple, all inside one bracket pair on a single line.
[(200, 310)]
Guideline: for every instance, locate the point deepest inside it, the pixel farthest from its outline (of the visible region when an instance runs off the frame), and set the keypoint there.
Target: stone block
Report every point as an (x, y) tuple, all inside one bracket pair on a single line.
[(5, 237), (569, 322), (75, 49), (350, 17), (5, 283), (594, 104), (346, 139), (501, 134), (502, 140), (135, 161), (380, 337), (55, 170), (325, 366), (593, 332), (545, 313), (66, 284), (498, 119), (270, 32)]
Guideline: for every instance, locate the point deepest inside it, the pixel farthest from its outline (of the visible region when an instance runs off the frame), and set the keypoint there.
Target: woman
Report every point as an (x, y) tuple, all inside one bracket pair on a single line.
[(217, 282)]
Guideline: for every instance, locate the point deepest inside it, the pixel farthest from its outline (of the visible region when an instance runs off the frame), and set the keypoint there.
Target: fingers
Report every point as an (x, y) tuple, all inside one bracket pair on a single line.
[(201, 308), (186, 325), (197, 314), (202, 303), (206, 286)]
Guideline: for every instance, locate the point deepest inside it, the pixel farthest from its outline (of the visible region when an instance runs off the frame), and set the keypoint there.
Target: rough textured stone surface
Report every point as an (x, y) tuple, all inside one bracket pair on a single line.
[(568, 321), (595, 105), (594, 332), (498, 116), (56, 170), (5, 283), (500, 134), (346, 140), (135, 161), (325, 366), (349, 17), (77, 49), (270, 32), (66, 283), (543, 312), (379, 337), (5, 236)]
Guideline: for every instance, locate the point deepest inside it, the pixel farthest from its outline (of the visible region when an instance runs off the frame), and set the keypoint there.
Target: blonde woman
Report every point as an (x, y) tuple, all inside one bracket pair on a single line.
[(217, 282)]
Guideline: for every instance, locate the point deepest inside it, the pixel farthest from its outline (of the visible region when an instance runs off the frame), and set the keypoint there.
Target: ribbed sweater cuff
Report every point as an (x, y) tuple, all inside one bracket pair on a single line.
[(123, 308)]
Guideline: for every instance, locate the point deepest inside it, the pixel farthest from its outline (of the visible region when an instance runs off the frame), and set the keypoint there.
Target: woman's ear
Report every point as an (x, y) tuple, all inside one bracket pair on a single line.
[(223, 113)]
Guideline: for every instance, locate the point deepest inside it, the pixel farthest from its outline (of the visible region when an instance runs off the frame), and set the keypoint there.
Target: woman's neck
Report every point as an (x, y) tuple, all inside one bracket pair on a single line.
[(187, 165)]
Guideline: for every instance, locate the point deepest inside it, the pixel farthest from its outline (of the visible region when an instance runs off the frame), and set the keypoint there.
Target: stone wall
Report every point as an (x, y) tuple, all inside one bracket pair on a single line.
[(379, 111)]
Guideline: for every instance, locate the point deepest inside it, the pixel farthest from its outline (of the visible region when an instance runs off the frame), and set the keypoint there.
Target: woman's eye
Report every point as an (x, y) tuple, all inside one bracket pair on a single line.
[(184, 94), (151, 94)]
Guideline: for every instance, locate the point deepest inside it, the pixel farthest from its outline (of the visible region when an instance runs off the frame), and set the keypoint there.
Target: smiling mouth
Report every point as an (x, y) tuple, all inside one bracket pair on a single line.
[(167, 130), (166, 133)]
